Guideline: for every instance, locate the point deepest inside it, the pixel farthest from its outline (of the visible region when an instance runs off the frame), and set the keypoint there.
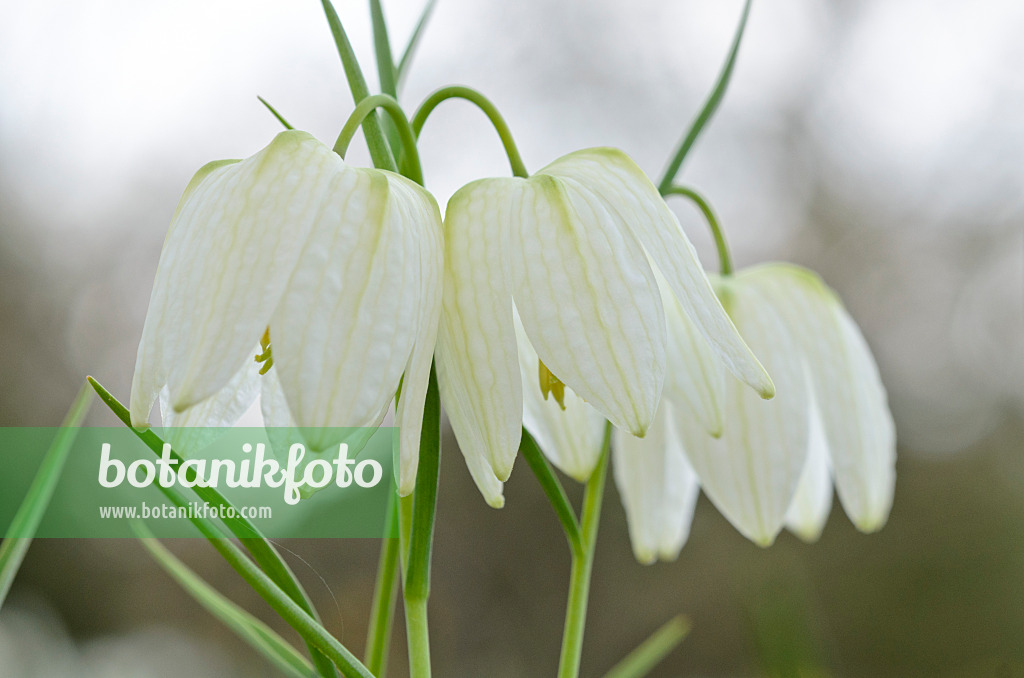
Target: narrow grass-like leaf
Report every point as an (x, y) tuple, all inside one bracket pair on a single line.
[(385, 71), (375, 140), (277, 115), (261, 549), (649, 653), (553, 490), (414, 40), (417, 578), (710, 106), (33, 507), (261, 637)]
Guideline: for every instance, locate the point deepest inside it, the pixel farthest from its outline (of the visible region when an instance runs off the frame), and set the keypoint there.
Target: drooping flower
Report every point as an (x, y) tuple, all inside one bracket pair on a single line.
[(336, 269), (773, 464), (571, 249)]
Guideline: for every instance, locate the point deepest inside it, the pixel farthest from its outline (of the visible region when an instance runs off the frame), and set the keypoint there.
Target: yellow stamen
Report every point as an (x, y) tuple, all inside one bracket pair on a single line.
[(550, 384), (266, 357)]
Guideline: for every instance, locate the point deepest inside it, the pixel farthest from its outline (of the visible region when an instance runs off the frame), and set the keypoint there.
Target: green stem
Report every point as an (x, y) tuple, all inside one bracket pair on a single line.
[(648, 654), (273, 111), (263, 552), (375, 140), (384, 594), (485, 105), (724, 258), (710, 106), (582, 566), (554, 491), (362, 113), (417, 513)]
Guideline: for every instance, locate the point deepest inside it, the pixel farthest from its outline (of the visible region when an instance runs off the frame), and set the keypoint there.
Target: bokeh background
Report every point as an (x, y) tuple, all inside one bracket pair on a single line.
[(880, 142)]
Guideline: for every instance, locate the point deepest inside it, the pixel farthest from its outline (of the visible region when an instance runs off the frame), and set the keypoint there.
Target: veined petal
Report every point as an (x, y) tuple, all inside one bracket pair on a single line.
[(345, 328), (477, 363), (571, 438), (849, 392), (429, 243), (810, 508), (695, 379), (751, 473), (614, 179), (194, 429), (659, 488), (588, 300), (230, 251)]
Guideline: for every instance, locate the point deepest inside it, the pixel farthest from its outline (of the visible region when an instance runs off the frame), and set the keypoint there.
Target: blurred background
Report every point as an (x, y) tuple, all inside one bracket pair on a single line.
[(880, 142)]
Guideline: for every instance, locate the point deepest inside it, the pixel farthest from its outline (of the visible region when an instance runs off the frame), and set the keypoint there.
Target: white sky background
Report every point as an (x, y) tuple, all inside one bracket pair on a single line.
[(910, 110)]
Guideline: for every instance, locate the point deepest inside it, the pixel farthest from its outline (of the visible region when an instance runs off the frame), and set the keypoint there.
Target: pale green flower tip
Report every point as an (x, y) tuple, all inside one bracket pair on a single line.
[(808, 534), (764, 540), (870, 523), (644, 555), (766, 389), (497, 501)]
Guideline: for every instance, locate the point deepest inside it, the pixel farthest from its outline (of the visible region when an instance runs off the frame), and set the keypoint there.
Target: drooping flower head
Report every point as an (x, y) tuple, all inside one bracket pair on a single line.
[(336, 268), (772, 464), (571, 249)]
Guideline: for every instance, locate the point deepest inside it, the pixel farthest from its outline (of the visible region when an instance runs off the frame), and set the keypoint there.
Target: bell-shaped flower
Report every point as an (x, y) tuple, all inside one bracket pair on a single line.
[(571, 249), (330, 273), (774, 462)]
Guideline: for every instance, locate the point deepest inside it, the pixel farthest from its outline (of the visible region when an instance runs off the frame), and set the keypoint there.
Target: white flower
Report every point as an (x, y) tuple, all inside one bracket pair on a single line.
[(774, 461), (339, 267), (572, 246)]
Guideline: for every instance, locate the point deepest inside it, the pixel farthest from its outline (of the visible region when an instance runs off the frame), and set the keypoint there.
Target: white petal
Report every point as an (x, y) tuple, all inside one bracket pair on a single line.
[(588, 300), (627, 192), (571, 438), (229, 253), (810, 508), (344, 330), (751, 473), (659, 488), (695, 380), (849, 392), (477, 363), (189, 432), (409, 418)]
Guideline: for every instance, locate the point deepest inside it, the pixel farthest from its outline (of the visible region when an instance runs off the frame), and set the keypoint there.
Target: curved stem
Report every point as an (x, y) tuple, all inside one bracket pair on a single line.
[(485, 105), (582, 565), (724, 257), (388, 103)]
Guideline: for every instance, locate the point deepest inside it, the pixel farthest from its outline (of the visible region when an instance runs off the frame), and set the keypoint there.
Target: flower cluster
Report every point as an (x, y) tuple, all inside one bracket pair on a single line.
[(556, 301)]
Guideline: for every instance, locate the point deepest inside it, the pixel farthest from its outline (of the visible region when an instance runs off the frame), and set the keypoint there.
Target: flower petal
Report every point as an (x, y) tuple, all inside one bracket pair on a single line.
[(627, 193), (588, 300), (659, 488), (345, 329), (571, 438), (810, 508), (849, 391), (430, 246), (695, 379), (191, 431), (751, 473), (477, 363), (225, 264)]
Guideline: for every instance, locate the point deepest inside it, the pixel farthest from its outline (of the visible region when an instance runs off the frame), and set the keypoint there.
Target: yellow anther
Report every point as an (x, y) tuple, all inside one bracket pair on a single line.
[(266, 357), (550, 384)]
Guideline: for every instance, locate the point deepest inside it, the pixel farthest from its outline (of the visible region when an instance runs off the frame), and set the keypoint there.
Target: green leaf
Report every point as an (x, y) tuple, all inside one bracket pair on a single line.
[(261, 549), (640, 661), (710, 106), (380, 152), (261, 637), (33, 507), (410, 49), (385, 69), (277, 115)]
